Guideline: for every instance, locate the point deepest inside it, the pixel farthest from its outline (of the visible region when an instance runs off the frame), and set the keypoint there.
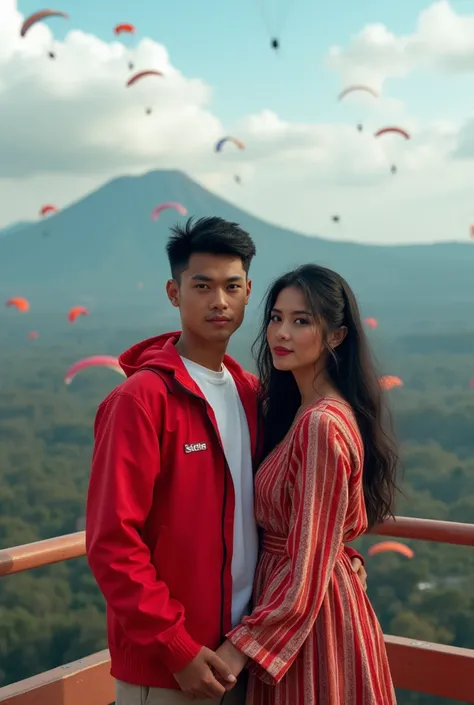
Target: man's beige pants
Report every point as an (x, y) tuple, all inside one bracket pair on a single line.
[(127, 694)]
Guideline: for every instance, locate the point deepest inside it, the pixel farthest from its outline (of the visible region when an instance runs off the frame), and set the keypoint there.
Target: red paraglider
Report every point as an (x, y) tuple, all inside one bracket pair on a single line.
[(38, 16), (398, 130), (142, 74), (48, 209)]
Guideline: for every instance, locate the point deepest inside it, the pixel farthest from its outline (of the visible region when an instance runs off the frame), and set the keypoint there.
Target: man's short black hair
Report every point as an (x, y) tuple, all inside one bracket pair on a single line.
[(212, 236)]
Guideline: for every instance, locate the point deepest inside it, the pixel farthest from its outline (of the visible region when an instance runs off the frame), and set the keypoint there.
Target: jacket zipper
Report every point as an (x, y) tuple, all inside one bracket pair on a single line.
[(224, 503)]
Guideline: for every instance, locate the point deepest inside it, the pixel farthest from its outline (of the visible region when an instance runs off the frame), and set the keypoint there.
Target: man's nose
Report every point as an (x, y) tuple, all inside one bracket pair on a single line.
[(220, 300)]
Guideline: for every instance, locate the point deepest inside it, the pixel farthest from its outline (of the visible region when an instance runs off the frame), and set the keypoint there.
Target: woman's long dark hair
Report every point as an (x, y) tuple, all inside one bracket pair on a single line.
[(351, 369)]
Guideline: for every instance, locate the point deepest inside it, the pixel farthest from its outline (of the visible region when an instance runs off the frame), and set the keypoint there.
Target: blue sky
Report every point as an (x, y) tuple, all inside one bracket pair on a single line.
[(226, 43)]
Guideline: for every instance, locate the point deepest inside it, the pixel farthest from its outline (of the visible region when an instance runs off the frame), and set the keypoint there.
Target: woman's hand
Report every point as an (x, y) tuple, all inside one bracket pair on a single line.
[(234, 658), (359, 570)]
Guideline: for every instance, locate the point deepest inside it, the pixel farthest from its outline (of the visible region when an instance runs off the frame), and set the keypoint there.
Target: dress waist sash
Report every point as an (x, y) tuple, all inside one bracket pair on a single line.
[(277, 544), (274, 543)]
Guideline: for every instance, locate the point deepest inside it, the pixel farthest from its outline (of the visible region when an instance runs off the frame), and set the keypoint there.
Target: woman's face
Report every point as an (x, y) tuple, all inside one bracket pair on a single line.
[(294, 336)]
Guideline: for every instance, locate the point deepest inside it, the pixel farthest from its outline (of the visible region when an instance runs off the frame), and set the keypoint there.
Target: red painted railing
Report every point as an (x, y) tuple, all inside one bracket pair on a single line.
[(420, 666)]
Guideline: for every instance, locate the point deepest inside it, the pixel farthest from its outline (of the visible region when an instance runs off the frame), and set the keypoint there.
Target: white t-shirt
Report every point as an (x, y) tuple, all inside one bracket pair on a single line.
[(221, 393)]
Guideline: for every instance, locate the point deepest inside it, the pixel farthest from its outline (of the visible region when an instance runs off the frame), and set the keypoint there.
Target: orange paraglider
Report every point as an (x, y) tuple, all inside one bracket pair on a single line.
[(19, 302), (396, 546), (129, 29), (124, 27), (77, 311), (33, 335), (371, 322), (389, 382)]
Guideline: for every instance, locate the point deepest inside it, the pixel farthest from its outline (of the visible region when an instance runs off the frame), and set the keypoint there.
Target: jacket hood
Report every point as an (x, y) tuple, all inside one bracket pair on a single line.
[(160, 353)]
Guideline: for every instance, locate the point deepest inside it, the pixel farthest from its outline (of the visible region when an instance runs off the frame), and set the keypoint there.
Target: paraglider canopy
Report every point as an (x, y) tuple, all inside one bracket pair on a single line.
[(143, 74), (77, 311), (390, 382), (94, 361), (124, 27), (48, 208), (336, 218), (220, 143), (397, 130), (169, 204), (395, 546), (357, 87), (38, 16), (19, 302)]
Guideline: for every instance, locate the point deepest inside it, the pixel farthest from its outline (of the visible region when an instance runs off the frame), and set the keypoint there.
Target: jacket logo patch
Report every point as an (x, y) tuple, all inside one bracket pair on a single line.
[(194, 447)]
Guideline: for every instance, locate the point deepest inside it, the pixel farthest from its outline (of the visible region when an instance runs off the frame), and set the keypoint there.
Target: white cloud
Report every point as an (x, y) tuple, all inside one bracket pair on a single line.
[(74, 114), (443, 40), (69, 124)]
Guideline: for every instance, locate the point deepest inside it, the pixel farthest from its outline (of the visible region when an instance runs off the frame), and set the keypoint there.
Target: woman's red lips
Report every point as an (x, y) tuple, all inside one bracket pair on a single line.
[(281, 352)]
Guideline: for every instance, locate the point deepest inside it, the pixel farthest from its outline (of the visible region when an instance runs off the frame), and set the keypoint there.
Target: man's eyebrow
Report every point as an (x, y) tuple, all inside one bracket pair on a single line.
[(204, 278)]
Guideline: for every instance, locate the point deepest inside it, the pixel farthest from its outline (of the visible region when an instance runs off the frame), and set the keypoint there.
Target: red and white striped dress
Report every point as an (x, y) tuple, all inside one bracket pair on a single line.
[(313, 636)]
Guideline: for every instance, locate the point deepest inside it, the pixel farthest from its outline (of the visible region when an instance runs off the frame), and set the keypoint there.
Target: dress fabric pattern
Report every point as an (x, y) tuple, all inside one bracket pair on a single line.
[(313, 636)]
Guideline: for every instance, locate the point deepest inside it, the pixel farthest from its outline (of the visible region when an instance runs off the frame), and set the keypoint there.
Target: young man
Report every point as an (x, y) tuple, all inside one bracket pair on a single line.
[(171, 535)]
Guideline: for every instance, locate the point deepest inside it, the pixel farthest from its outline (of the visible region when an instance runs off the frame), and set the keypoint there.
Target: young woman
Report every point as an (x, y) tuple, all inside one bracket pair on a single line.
[(327, 475)]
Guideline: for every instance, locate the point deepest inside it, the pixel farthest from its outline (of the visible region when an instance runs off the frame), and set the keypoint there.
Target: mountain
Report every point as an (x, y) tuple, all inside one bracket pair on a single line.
[(16, 227), (97, 250)]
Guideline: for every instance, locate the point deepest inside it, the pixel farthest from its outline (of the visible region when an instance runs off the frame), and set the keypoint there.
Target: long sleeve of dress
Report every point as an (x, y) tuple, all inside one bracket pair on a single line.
[(288, 607)]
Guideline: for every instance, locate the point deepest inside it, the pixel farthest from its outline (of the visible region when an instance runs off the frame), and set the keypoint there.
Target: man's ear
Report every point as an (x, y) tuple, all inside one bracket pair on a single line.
[(172, 290)]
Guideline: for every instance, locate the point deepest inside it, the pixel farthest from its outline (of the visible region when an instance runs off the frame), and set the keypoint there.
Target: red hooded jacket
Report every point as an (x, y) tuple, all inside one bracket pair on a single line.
[(160, 514)]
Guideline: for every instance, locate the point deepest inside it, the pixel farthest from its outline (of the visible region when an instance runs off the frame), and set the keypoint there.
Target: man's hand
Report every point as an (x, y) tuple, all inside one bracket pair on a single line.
[(358, 568), (197, 679), (234, 658)]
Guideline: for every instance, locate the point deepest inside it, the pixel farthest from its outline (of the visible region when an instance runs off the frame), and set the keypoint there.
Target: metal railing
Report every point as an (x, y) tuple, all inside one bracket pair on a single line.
[(420, 666)]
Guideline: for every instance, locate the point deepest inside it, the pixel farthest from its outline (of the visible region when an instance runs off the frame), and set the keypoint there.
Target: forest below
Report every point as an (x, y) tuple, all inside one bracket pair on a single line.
[(53, 615)]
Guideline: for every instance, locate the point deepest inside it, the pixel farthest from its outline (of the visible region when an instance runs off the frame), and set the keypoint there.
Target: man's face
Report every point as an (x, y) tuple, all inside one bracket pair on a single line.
[(211, 295)]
